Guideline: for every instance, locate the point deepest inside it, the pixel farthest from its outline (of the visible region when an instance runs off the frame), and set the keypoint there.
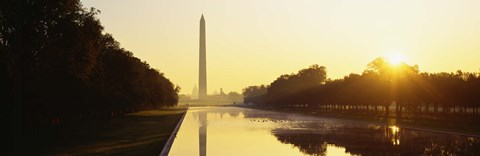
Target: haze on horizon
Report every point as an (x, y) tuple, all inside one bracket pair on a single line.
[(252, 42)]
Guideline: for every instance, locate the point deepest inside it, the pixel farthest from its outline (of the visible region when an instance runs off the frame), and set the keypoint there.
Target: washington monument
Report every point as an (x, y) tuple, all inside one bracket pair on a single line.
[(202, 77)]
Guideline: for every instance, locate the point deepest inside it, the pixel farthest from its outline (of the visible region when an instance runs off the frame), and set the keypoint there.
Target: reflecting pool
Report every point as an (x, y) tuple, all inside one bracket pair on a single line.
[(241, 131)]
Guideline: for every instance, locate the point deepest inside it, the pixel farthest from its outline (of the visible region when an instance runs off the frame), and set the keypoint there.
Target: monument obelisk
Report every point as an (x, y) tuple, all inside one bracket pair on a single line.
[(202, 78)]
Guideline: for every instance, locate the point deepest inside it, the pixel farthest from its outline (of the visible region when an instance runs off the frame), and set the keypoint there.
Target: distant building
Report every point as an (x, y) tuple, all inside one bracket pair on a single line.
[(194, 92), (221, 91)]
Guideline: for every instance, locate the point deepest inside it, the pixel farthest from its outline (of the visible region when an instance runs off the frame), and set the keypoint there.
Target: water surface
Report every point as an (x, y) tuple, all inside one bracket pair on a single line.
[(233, 131)]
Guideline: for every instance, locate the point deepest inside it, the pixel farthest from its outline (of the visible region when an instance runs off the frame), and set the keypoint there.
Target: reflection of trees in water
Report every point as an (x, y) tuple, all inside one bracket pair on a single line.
[(306, 143), (313, 136), (379, 141), (458, 146), (219, 113)]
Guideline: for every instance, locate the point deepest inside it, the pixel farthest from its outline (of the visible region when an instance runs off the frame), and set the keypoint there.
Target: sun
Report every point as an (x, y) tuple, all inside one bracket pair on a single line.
[(395, 58)]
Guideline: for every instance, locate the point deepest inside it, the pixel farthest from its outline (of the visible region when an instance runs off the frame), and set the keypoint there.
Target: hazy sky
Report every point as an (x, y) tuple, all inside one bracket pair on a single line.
[(252, 42)]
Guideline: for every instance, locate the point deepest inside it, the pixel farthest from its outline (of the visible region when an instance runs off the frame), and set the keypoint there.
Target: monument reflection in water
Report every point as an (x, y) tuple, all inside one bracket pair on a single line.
[(202, 133), (240, 131)]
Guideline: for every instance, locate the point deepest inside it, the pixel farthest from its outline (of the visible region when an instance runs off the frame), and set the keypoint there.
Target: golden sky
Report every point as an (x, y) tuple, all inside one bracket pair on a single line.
[(252, 42)]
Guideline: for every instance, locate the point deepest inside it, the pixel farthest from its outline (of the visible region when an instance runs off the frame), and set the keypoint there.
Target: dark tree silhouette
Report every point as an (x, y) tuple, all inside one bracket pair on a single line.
[(254, 94), (380, 85), (287, 85), (58, 66)]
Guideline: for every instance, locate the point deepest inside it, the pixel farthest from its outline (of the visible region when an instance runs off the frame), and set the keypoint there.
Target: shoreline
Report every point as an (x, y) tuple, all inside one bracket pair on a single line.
[(168, 144), (407, 123)]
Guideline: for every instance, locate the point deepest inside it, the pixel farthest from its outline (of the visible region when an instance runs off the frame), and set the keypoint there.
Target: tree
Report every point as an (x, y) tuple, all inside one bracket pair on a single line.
[(58, 67), (287, 85), (380, 84)]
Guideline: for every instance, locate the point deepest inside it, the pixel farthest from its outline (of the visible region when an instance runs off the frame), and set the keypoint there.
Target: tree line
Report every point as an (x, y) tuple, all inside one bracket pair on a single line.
[(380, 86), (58, 65)]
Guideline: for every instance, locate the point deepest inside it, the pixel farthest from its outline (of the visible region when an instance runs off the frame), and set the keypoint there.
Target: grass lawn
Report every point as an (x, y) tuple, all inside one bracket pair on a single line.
[(141, 133)]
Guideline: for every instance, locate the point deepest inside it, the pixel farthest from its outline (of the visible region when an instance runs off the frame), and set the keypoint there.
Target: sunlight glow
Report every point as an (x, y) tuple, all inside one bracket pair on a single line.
[(396, 58), (270, 34), (395, 135)]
